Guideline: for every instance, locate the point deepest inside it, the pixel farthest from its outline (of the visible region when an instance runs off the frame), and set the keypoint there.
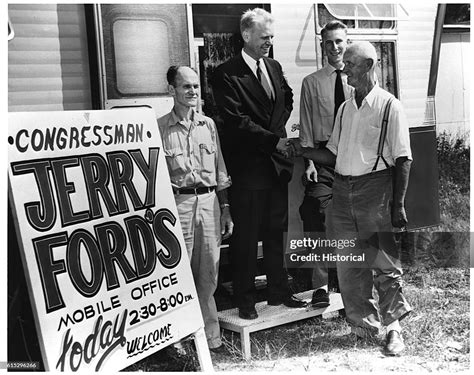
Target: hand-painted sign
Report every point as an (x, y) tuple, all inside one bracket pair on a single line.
[(100, 237)]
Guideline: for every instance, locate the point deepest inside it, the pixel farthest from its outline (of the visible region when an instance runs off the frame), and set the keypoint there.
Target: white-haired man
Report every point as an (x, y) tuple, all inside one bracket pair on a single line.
[(368, 198)]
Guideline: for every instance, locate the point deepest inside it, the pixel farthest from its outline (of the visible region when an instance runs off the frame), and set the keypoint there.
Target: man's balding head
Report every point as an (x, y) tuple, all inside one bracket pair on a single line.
[(183, 86), (359, 65), (363, 50)]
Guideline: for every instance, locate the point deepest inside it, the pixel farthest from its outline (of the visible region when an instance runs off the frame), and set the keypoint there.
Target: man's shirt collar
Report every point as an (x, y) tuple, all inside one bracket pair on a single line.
[(196, 118), (248, 59), (330, 69), (370, 97)]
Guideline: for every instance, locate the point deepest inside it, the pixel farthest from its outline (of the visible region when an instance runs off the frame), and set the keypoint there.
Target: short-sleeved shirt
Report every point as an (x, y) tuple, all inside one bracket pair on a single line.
[(317, 105), (355, 146), (193, 152)]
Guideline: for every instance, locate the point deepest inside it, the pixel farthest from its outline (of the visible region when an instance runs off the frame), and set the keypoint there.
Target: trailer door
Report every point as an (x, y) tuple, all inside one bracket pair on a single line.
[(137, 43)]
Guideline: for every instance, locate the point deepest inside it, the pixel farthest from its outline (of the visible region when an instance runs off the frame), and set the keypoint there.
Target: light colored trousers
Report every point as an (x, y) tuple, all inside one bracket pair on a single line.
[(200, 222)]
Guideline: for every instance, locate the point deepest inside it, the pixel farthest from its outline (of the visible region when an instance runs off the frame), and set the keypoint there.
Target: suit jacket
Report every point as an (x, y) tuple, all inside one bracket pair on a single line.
[(252, 123)]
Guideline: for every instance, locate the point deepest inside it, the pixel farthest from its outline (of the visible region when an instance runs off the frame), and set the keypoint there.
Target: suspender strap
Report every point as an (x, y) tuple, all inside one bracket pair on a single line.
[(383, 135), (343, 105)]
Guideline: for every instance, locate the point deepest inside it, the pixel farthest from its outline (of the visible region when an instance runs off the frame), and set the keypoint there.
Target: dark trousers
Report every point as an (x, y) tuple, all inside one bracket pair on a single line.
[(313, 213), (258, 214), (360, 210)]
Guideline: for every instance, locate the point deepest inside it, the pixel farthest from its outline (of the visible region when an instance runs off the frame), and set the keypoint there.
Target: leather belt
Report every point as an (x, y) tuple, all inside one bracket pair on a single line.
[(195, 191)]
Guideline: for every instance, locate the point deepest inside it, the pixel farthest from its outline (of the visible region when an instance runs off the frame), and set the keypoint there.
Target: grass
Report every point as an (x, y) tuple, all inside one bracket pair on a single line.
[(436, 284), (436, 334)]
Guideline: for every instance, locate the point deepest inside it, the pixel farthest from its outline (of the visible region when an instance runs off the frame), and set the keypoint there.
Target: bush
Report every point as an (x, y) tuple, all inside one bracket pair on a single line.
[(454, 164)]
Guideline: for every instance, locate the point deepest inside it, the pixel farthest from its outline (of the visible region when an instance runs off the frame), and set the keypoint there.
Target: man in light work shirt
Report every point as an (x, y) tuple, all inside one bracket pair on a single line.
[(322, 93), (199, 178), (368, 198)]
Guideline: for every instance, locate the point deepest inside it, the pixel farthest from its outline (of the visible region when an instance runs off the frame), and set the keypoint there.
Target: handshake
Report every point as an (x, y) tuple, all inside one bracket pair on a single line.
[(290, 147)]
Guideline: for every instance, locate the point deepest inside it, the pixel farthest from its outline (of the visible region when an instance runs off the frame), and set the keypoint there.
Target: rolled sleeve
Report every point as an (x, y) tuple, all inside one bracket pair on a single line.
[(398, 133), (306, 110), (223, 179)]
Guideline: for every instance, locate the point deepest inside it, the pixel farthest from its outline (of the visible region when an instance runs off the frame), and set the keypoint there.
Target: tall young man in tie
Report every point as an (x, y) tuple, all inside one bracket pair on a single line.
[(322, 92)]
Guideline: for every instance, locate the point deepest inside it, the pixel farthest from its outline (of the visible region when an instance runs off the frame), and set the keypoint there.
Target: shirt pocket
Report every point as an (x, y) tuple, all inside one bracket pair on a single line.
[(326, 107), (370, 139), (175, 161), (208, 157)]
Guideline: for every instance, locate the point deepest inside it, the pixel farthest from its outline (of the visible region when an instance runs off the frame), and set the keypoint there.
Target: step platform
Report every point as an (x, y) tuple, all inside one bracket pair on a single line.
[(272, 316)]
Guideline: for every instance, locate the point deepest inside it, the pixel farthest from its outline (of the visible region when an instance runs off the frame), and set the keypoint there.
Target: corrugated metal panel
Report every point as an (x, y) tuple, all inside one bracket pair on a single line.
[(415, 42), (48, 63)]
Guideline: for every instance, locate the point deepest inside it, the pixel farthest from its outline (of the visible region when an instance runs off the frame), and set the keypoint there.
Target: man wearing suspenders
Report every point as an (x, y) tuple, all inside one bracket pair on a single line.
[(368, 198)]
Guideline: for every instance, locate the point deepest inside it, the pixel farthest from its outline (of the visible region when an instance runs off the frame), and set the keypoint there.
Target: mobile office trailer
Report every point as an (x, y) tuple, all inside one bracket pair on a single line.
[(80, 57), (73, 56)]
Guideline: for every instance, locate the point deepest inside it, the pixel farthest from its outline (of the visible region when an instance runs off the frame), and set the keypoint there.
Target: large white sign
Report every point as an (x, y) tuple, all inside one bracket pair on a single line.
[(100, 237)]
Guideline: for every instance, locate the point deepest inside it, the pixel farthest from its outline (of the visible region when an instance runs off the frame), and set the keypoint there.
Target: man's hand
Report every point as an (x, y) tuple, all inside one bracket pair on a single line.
[(227, 225), (283, 147), (399, 216), (295, 147), (310, 174)]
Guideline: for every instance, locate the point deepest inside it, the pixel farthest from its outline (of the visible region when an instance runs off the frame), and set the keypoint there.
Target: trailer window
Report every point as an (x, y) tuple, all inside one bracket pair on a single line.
[(389, 12), (376, 23), (458, 16), (140, 42), (142, 56), (362, 16)]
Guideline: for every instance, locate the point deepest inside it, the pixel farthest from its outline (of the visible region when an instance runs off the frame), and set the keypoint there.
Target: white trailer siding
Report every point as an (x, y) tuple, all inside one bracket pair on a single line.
[(415, 44), (452, 89), (295, 48), (48, 63)]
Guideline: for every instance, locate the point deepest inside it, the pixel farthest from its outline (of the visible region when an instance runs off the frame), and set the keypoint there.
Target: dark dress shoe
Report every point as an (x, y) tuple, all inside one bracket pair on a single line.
[(394, 344), (249, 314), (294, 302), (320, 298)]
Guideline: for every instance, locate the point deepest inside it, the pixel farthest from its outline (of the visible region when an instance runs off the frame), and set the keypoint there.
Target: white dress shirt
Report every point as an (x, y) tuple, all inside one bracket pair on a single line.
[(252, 63), (356, 144), (317, 105)]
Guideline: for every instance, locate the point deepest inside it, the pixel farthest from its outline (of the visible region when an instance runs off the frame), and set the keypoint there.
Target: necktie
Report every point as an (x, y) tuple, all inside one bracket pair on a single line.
[(338, 92), (263, 81)]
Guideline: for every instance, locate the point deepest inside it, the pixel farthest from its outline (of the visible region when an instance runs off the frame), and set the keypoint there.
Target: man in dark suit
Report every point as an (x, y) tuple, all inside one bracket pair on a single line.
[(255, 101)]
